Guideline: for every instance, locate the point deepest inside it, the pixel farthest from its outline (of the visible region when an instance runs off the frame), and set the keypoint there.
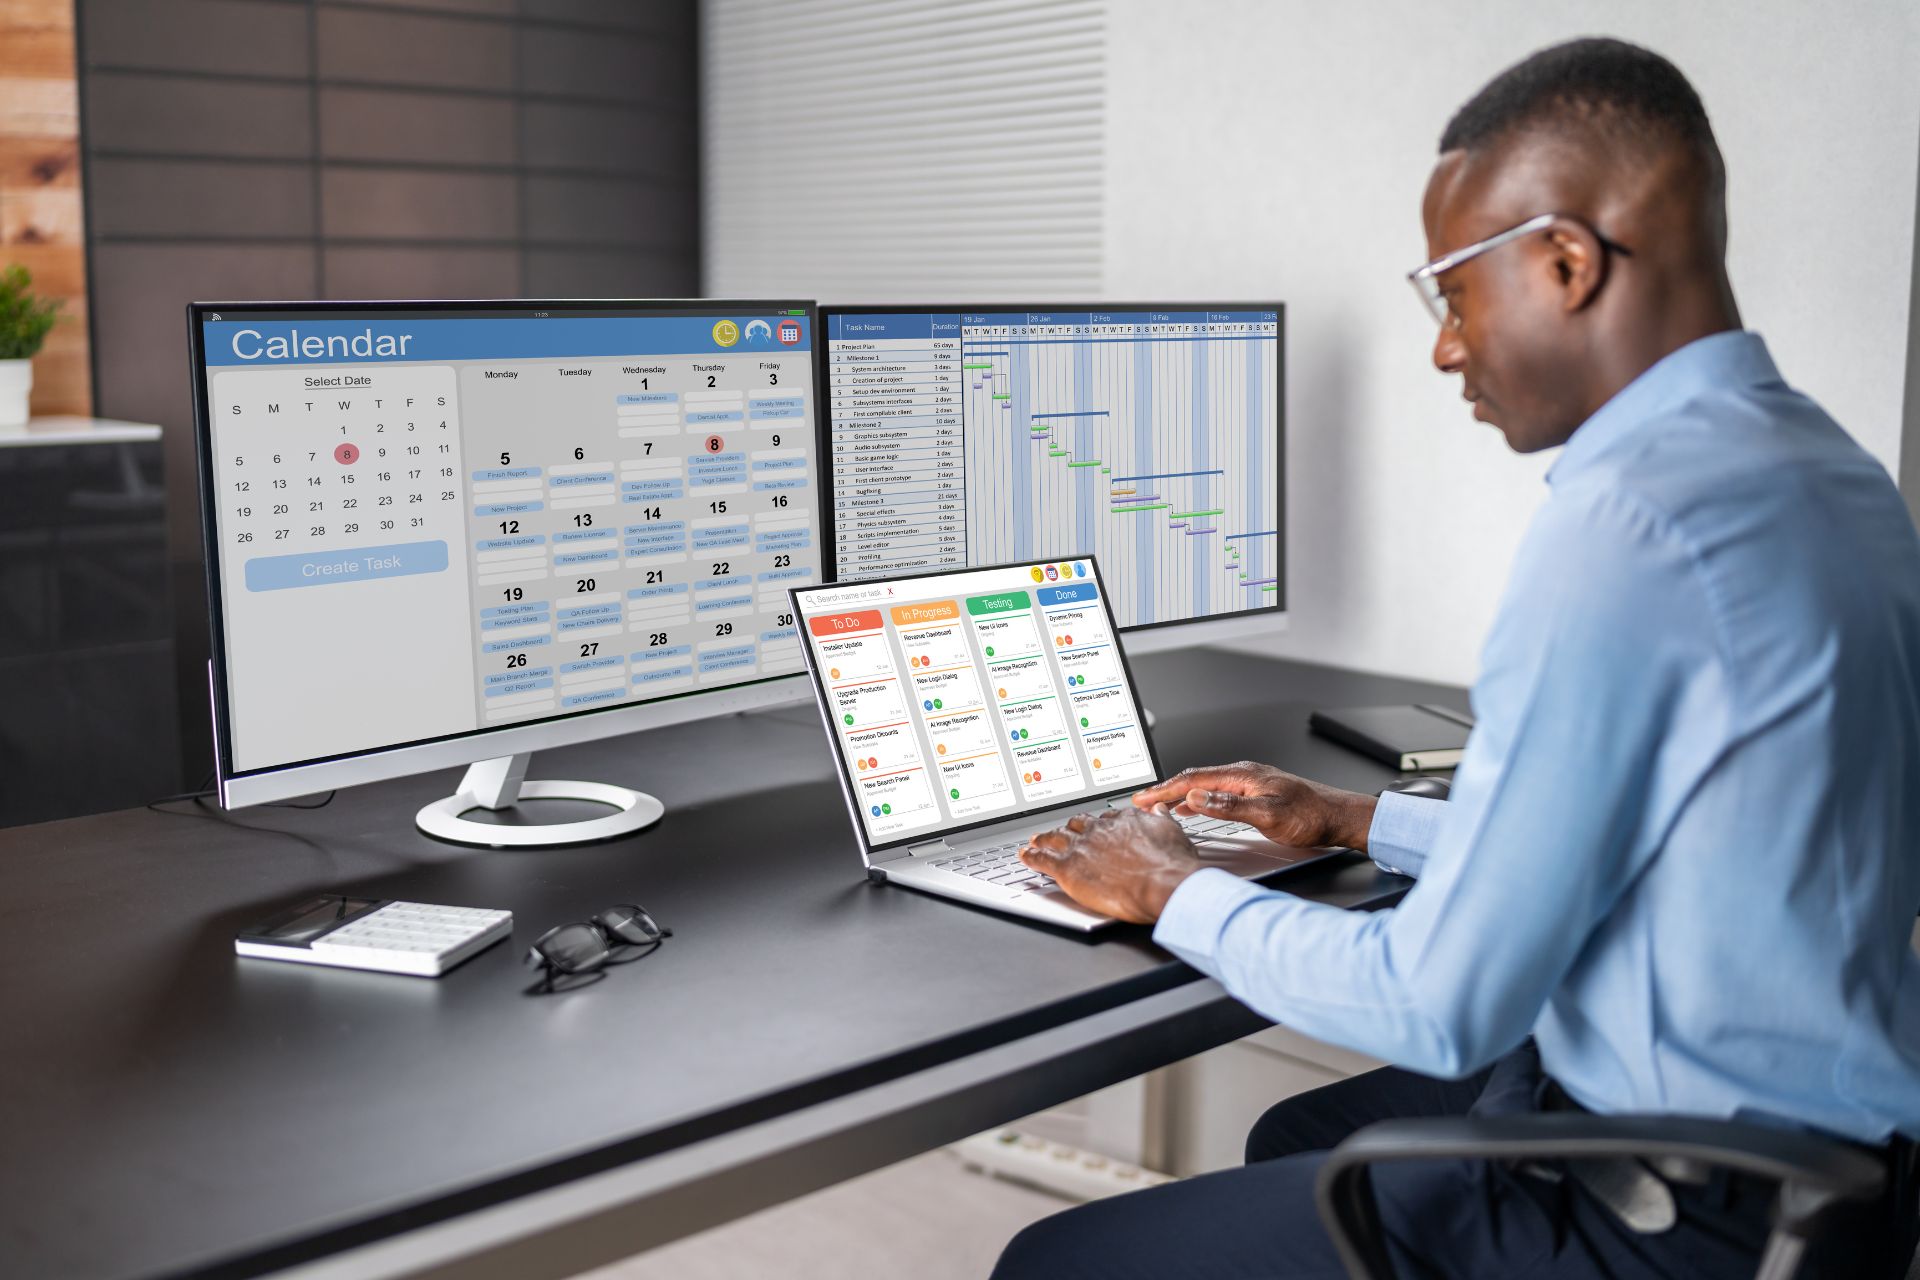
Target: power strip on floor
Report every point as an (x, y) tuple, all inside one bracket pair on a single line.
[(1052, 1166)]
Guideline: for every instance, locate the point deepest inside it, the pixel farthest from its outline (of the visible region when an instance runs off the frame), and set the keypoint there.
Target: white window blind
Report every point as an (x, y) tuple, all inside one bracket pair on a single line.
[(887, 150)]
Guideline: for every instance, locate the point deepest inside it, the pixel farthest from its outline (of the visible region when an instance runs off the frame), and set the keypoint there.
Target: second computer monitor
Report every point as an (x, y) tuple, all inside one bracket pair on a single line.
[(1150, 436)]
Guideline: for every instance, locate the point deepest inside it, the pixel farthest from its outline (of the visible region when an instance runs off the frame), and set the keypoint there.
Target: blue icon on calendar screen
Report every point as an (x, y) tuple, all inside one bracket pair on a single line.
[(876, 811)]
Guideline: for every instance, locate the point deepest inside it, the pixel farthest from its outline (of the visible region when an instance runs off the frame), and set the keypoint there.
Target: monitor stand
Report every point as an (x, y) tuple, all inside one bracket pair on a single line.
[(500, 783)]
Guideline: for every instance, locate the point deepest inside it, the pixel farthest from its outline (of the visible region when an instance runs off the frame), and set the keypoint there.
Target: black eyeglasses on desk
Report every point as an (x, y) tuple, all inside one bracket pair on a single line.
[(574, 955)]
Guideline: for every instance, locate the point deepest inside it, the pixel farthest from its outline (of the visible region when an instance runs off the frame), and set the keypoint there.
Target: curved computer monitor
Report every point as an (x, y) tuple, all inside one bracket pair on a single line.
[(1150, 435), (441, 533)]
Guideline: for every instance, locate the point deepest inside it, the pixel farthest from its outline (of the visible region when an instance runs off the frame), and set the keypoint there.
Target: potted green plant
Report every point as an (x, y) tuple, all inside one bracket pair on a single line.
[(25, 320)]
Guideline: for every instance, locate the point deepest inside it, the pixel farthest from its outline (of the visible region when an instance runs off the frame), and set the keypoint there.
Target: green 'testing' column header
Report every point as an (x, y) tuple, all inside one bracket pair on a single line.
[(1002, 602)]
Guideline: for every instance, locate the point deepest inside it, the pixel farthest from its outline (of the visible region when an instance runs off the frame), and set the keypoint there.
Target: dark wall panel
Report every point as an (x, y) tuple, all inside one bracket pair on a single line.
[(220, 199), (487, 8), (395, 204), (602, 273), (363, 149), (419, 129), (607, 211), (237, 37), (439, 271), (619, 141), (668, 21), (375, 47), (138, 113), (616, 67)]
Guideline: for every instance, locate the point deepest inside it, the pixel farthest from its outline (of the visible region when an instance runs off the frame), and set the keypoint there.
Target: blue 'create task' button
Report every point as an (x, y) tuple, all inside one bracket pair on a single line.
[(359, 564)]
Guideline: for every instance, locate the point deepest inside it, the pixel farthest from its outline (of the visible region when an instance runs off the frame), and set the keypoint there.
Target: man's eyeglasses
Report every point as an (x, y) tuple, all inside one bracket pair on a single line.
[(1426, 280), (581, 950)]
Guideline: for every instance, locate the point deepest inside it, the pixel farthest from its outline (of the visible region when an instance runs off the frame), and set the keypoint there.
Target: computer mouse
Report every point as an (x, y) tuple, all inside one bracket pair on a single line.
[(1424, 785)]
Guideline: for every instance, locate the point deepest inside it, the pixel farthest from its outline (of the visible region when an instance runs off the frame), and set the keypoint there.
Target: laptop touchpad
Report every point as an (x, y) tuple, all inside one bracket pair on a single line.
[(1251, 856)]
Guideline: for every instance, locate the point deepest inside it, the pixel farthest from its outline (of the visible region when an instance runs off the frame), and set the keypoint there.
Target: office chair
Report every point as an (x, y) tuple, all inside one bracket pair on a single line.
[(1816, 1175)]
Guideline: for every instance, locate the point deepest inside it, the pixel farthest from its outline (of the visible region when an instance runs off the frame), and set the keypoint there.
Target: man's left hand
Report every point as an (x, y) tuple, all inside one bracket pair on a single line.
[(1123, 863)]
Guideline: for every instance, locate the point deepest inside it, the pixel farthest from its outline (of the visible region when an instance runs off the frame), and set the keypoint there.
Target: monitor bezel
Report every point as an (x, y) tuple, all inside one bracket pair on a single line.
[(1252, 617), (238, 788), (927, 835)]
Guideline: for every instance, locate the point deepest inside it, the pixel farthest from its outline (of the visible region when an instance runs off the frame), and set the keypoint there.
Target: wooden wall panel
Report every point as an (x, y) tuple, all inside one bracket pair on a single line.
[(39, 39), (36, 163), (42, 220)]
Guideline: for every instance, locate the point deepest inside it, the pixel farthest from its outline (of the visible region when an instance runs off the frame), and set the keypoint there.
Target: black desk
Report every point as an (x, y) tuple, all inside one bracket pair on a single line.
[(169, 1109)]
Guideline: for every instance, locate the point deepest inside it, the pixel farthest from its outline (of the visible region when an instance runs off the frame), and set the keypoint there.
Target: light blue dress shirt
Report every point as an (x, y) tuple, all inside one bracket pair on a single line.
[(1683, 848)]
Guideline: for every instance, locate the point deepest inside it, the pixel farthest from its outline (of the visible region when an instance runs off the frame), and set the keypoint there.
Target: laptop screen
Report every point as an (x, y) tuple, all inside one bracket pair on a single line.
[(968, 697)]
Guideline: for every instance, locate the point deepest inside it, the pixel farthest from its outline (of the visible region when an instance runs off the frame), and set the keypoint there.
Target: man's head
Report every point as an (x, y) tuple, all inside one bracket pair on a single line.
[(1546, 328)]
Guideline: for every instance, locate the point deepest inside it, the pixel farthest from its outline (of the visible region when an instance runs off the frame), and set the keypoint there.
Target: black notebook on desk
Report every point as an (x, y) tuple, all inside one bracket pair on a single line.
[(1410, 738)]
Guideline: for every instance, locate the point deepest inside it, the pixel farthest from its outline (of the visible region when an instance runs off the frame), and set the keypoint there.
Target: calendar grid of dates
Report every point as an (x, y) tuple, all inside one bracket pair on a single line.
[(655, 555), (557, 534)]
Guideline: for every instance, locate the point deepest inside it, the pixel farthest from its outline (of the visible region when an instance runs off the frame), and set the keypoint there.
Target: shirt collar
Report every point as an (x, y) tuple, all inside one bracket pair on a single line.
[(1719, 361)]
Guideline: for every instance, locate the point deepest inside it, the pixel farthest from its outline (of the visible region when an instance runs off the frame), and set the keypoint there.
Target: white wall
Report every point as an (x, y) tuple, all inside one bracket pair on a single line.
[(1262, 149), (902, 150)]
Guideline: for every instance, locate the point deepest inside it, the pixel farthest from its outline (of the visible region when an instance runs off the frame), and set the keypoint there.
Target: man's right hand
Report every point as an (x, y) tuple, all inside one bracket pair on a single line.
[(1283, 808)]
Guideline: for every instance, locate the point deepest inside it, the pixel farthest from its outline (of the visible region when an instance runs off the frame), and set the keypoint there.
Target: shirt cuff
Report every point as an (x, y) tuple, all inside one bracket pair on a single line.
[(1404, 829), (1198, 910)]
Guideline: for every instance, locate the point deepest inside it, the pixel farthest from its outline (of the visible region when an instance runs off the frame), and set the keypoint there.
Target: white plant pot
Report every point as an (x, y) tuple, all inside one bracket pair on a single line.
[(16, 381)]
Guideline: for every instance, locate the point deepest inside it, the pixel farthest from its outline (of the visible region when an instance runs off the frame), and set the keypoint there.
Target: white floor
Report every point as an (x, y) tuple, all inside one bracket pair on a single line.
[(925, 1218)]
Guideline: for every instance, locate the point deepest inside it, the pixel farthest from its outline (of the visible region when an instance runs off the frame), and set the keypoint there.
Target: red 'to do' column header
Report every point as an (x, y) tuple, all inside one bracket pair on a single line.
[(842, 624)]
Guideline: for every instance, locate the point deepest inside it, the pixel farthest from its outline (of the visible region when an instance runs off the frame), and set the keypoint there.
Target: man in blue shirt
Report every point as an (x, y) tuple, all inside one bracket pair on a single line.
[(1680, 866)]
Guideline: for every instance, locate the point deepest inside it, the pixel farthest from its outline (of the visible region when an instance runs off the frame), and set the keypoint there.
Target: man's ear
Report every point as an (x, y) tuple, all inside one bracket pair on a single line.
[(1578, 262)]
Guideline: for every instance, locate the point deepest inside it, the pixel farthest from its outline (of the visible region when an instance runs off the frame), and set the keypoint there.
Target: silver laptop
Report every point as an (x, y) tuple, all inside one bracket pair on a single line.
[(972, 708)]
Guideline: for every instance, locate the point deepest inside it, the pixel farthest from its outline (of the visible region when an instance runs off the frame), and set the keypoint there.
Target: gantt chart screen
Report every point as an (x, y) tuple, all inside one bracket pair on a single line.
[(1148, 438), (434, 523)]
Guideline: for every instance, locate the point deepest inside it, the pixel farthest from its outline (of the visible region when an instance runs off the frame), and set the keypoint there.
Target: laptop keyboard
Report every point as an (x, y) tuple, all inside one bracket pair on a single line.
[(1000, 864)]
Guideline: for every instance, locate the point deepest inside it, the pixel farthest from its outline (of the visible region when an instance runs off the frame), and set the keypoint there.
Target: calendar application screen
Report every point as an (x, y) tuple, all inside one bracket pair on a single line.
[(960, 697), (438, 522)]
